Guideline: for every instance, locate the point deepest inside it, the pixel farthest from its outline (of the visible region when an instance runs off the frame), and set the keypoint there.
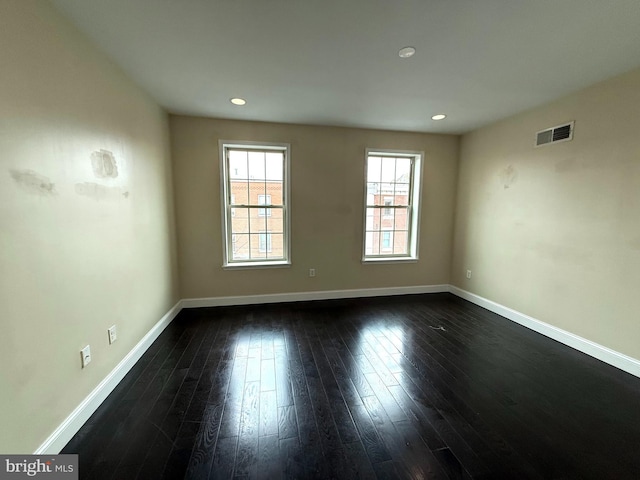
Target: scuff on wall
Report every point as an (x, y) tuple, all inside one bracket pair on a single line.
[(33, 182), (99, 192)]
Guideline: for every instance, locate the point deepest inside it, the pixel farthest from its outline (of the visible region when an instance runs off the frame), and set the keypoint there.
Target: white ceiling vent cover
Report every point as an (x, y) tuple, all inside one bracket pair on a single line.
[(561, 133)]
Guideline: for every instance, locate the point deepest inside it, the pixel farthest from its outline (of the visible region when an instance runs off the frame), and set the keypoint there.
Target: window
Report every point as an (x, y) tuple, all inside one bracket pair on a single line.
[(386, 240), (264, 200), (388, 201), (255, 192), (392, 199), (264, 242)]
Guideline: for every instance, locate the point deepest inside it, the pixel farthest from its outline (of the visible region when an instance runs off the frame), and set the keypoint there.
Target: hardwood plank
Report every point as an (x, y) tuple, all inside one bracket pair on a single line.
[(284, 392), (336, 402), (250, 410), (156, 459), (360, 466), (268, 458), (246, 462), (287, 424), (345, 384), (371, 441), (451, 464), (201, 458), (268, 414), (224, 458), (178, 460), (293, 462), (232, 413), (267, 374), (411, 459)]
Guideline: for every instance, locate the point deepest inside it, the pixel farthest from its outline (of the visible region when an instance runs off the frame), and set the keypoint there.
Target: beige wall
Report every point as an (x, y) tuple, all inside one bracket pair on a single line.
[(327, 169), (80, 248), (554, 231)]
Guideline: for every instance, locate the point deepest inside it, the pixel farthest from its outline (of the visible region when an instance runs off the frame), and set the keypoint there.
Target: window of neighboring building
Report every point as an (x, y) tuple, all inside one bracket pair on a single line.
[(392, 200), (255, 184), (386, 240), (264, 241), (264, 200), (388, 201)]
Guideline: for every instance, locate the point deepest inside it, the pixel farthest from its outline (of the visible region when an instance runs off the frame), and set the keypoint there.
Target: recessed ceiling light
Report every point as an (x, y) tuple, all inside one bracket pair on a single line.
[(238, 101), (440, 116), (406, 52)]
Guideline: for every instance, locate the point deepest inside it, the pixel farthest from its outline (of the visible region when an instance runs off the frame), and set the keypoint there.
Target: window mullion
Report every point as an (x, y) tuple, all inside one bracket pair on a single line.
[(267, 212), (393, 229), (380, 213)]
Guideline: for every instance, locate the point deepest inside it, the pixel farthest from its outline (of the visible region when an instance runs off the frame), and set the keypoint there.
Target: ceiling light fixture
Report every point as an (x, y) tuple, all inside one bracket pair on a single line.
[(238, 101), (406, 52), (440, 116)]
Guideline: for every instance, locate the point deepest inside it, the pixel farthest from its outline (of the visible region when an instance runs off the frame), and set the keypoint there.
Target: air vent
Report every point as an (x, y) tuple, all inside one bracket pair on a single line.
[(561, 133)]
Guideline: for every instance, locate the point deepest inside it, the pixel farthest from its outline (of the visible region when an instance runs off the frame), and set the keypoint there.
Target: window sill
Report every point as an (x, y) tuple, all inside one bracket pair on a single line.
[(371, 261), (250, 265)]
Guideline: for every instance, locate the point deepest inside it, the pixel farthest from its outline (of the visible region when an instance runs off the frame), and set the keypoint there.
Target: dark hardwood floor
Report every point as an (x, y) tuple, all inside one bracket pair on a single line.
[(418, 386)]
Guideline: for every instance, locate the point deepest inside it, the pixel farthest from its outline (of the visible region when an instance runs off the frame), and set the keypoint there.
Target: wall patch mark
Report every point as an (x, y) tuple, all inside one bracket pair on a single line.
[(508, 176), (104, 164), (99, 192)]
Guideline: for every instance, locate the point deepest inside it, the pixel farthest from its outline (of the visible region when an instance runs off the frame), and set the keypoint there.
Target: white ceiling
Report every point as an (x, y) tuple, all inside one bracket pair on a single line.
[(335, 62)]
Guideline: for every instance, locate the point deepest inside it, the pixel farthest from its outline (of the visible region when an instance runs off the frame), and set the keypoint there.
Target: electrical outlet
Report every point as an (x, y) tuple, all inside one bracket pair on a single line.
[(312, 272), (85, 356), (468, 273), (113, 336)]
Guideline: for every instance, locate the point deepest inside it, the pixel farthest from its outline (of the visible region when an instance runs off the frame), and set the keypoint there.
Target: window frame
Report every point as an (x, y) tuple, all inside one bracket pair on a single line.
[(414, 204), (228, 211)]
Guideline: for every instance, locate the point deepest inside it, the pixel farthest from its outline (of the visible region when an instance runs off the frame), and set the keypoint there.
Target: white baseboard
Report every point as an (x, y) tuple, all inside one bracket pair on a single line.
[(616, 359), (72, 424), (306, 296)]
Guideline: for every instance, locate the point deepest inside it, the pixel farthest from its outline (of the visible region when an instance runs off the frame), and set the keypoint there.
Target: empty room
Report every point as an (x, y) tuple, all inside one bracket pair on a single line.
[(320, 239)]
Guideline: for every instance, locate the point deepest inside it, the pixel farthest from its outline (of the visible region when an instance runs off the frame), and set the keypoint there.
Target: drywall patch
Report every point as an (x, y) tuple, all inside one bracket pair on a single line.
[(99, 192), (508, 176), (33, 182), (104, 164)]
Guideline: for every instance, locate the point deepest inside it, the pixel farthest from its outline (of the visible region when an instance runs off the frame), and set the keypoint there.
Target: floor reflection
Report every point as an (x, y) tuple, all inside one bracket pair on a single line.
[(383, 362)]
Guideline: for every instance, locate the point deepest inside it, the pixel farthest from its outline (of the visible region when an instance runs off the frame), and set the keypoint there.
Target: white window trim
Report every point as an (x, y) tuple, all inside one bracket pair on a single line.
[(414, 212), (227, 244)]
